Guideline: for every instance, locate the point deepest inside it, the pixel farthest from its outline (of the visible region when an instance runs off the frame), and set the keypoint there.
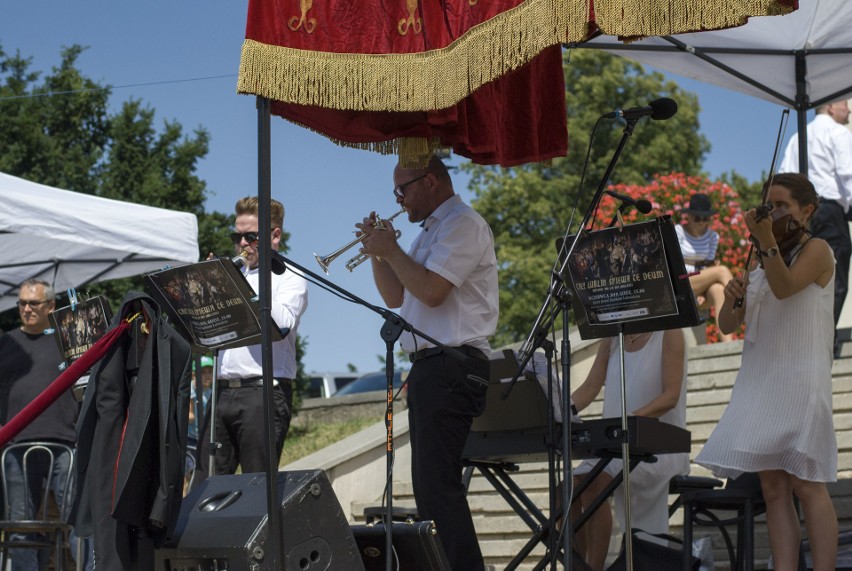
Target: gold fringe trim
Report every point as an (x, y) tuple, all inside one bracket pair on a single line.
[(412, 82), (441, 78), (643, 18), (413, 152)]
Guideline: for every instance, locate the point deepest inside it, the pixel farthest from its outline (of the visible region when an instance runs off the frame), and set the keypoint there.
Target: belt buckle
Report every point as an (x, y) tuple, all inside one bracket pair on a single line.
[(233, 383)]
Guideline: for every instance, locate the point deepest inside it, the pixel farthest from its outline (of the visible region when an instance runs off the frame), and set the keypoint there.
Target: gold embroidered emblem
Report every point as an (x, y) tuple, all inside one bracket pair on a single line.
[(412, 21), (296, 22)]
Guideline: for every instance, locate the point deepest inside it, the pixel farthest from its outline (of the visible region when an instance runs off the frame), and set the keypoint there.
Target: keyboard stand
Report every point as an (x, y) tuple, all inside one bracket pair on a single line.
[(498, 475)]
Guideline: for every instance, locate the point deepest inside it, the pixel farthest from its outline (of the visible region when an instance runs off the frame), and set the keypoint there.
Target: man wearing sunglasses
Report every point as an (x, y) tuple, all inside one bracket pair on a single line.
[(446, 286), (240, 426), (29, 362)]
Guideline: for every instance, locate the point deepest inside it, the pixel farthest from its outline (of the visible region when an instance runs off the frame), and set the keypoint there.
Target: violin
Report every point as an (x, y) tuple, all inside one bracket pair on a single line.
[(785, 229), (765, 209)]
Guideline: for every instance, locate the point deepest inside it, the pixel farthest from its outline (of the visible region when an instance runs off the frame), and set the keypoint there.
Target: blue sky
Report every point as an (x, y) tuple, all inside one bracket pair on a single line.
[(151, 50)]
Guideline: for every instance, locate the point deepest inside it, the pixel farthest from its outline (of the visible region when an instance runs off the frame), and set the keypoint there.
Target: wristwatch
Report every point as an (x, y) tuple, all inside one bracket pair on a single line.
[(770, 252)]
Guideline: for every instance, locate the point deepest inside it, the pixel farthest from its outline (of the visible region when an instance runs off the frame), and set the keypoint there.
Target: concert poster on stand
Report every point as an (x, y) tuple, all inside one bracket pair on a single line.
[(76, 328), (621, 275), (210, 302)]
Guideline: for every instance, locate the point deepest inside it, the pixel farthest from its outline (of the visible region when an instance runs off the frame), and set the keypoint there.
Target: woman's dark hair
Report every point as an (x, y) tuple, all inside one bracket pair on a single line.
[(801, 189)]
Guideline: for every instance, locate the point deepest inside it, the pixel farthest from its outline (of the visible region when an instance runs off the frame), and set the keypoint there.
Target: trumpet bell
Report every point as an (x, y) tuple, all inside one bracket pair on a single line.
[(323, 262)]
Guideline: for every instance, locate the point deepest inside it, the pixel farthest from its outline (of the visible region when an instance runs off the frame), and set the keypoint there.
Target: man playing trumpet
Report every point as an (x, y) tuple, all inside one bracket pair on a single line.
[(240, 420), (446, 287)]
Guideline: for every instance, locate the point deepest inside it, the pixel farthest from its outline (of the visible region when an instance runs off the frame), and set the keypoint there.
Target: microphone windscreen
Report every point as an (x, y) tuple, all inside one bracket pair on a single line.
[(643, 206), (663, 108)]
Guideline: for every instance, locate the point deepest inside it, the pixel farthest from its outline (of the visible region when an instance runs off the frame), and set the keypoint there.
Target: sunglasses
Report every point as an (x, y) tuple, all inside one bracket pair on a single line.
[(398, 190), (237, 237), (701, 218), (22, 303)]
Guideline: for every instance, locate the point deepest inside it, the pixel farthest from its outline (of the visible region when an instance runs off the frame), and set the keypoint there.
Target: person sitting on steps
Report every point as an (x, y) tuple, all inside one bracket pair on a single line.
[(699, 243)]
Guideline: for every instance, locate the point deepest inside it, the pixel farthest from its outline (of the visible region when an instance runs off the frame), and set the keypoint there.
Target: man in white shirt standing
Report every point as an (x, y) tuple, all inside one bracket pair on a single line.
[(830, 171), (446, 286), (240, 425)]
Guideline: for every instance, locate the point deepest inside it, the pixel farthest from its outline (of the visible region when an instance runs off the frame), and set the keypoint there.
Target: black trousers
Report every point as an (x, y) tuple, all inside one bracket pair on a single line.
[(830, 224), (241, 428), (444, 395)]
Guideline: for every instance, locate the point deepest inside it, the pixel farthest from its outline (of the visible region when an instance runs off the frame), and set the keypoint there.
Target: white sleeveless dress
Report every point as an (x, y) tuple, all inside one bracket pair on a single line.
[(649, 482), (780, 413)]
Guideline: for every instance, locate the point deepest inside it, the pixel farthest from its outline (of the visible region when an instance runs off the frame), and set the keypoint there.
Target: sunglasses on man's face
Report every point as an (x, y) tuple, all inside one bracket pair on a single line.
[(701, 218), (237, 237)]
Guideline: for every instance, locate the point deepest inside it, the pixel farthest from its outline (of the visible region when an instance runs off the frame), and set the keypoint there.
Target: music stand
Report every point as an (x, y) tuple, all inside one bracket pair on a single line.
[(629, 279), (212, 306), (606, 309)]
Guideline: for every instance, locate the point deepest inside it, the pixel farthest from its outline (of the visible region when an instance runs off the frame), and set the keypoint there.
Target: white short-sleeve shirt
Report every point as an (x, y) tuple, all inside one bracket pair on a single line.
[(457, 244)]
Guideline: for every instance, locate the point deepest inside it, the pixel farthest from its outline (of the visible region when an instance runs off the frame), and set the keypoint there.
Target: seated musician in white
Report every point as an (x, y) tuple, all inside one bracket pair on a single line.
[(655, 377)]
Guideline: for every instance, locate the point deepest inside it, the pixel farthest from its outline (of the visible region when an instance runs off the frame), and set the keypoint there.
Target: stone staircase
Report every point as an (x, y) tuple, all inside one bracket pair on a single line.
[(502, 534)]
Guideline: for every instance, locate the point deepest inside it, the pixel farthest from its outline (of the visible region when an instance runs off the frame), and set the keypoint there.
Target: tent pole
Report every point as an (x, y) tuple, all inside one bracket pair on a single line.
[(802, 109), (264, 195)]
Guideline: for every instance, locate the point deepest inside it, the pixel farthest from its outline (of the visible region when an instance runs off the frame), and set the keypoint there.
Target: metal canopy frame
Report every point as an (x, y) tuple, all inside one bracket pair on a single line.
[(800, 102)]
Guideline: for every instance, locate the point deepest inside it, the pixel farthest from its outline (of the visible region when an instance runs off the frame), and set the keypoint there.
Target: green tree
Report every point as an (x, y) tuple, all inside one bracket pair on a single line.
[(55, 140), (751, 193), (529, 206), (57, 130)]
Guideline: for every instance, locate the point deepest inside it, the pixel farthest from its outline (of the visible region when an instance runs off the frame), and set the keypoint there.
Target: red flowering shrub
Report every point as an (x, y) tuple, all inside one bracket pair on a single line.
[(669, 194)]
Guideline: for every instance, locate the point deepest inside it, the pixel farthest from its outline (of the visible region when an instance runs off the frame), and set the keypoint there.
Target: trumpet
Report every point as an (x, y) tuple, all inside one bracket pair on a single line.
[(240, 260), (355, 261)]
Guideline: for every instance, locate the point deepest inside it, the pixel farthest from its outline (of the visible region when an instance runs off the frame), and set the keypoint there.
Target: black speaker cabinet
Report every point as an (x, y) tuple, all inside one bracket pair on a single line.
[(417, 546), (223, 525)]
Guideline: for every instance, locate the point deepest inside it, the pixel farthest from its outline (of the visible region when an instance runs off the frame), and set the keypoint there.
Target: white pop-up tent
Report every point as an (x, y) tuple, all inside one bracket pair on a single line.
[(70, 239), (801, 60)]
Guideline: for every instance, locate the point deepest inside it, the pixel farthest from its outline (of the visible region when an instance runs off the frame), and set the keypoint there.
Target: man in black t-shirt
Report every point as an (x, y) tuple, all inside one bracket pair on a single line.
[(29, 362)]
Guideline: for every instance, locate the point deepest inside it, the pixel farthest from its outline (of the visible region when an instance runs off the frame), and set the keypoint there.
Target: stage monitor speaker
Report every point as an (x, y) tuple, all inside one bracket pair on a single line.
[(417, 546), (223, 525)]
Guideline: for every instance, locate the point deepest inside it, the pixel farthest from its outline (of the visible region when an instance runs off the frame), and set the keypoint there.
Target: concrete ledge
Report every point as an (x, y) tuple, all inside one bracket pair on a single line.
[(339, 409), (357, 465)]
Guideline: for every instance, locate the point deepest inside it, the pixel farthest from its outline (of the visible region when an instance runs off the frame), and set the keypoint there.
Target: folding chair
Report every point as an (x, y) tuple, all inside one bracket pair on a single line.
[(738, 503), (43, 528)]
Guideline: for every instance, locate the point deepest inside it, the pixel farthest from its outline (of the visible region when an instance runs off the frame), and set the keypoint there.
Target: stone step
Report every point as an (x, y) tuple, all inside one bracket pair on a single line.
[(712, 371)]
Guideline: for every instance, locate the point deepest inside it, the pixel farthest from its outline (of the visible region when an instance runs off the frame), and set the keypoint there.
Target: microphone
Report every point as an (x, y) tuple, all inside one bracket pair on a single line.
[(662, 108), (278, 265), (641, 205)]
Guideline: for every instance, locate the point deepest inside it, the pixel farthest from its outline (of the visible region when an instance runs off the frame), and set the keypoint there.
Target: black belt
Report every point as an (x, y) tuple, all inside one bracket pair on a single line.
[(830, 201), (468, 350), (249, 382)]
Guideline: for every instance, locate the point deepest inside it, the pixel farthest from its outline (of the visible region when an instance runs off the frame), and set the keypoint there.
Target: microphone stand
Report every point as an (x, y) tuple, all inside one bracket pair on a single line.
[(392, 328), (539, 333), (214, 443)]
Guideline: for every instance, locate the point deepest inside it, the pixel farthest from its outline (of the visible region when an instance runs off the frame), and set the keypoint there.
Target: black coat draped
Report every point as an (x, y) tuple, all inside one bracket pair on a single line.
[(131, 437)]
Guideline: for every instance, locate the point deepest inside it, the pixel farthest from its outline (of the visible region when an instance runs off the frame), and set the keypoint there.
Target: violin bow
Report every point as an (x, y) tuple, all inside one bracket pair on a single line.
[(782, 128)]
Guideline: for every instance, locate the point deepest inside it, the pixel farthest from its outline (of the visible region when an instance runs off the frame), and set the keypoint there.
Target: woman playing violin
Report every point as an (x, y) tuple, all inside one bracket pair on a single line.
[(778, 422)]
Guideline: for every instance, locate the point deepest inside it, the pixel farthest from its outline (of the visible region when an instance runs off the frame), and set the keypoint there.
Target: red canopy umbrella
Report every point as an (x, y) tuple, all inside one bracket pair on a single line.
[(483, 77)]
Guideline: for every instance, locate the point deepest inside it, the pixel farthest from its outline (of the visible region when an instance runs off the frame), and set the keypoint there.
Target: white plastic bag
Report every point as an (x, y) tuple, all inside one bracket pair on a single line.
[(702, 548)]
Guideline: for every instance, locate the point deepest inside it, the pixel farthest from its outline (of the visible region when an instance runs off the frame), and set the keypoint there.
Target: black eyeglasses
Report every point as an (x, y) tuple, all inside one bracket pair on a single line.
[(237, 237), (701, 218), (398, 191), (22, 303)]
